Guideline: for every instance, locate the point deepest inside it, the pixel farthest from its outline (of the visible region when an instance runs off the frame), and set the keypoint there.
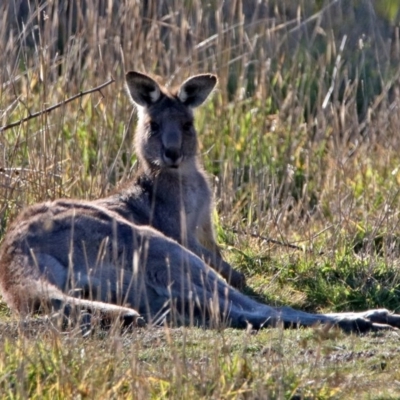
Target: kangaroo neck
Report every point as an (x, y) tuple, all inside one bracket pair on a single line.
[(168, 175), (160, 180)]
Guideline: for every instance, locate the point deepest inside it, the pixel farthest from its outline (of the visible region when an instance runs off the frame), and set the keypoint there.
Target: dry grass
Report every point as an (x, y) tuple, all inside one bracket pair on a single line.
[(302, 138)]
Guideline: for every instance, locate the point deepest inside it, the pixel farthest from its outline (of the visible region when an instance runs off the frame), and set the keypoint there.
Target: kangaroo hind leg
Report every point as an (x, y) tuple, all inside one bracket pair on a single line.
[(43, 286)]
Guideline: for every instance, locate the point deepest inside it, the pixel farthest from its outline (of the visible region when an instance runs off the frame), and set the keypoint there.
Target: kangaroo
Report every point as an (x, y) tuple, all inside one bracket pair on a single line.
[(170, 191), (149, 250)]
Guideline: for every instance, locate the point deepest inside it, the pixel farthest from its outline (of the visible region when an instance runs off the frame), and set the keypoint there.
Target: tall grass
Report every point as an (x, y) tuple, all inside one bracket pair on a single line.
[(301, 139)]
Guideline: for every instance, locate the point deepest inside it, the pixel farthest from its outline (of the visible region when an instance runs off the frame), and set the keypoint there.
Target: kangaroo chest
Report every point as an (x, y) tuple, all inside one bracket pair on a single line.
[(174, 207), (177, 206)]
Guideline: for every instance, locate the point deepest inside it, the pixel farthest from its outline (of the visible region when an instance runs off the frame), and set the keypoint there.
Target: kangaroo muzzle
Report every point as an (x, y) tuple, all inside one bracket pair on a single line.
[(172, 157)]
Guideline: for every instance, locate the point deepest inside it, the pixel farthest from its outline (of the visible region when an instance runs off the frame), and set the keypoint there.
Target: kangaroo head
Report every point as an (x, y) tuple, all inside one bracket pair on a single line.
[(165, 134)]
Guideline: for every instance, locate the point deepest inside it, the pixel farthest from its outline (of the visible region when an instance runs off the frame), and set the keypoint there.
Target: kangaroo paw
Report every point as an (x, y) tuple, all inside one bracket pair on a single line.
[(383, 317), (237, 280)]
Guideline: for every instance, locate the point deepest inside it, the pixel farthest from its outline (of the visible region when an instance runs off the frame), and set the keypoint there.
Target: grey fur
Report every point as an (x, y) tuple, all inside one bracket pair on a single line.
[(148, 250)]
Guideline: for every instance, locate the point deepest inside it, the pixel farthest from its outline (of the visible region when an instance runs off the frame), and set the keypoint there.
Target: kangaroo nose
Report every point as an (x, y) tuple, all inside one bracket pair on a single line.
[(172, 156)]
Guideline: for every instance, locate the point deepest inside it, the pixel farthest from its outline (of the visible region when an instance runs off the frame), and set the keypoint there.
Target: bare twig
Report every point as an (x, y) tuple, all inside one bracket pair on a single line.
[(277, 242), (60, 104)]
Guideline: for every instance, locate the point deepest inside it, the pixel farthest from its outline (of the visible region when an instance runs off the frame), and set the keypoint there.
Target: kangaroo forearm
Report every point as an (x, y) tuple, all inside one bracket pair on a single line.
[(214, 260)]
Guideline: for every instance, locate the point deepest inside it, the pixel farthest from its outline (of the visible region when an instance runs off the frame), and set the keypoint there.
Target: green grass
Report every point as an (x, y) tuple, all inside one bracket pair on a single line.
[(301, 139)]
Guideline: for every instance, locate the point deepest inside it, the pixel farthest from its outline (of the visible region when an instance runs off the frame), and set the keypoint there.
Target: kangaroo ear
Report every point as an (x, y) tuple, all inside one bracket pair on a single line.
[(143, 90), (195, 90)]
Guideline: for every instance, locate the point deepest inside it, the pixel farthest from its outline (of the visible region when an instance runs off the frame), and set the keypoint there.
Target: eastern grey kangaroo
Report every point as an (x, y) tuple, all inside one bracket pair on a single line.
[(150, 249), (170, 191)]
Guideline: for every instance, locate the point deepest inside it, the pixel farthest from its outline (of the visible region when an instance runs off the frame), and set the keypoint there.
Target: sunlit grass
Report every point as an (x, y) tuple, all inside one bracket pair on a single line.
[(301, 140)]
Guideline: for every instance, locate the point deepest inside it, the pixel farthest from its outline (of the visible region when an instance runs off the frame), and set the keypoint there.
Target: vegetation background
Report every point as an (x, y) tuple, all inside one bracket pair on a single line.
[(302, 141)]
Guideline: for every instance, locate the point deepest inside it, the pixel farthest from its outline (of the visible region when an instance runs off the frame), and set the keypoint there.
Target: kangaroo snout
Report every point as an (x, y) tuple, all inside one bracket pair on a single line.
[(172, 156)]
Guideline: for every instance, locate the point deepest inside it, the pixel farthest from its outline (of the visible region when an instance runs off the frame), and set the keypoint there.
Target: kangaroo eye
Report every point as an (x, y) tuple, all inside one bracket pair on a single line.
[(187, 126), (154, 127)]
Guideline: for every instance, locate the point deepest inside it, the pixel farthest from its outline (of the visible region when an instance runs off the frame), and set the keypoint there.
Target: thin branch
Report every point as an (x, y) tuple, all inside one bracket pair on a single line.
[(277, 242), (49, 109)]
